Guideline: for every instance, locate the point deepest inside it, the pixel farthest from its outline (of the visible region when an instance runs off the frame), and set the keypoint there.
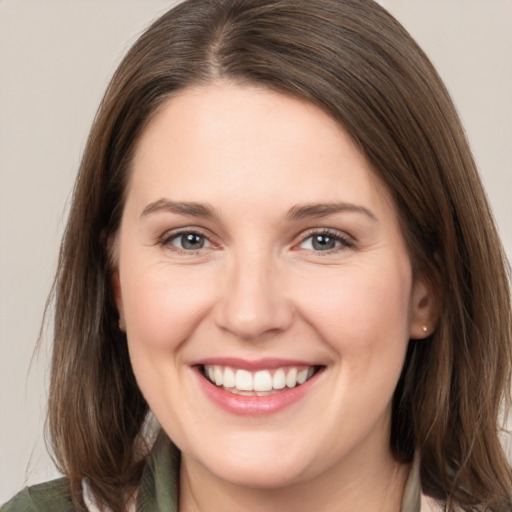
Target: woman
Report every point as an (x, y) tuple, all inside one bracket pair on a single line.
[(278, 245)]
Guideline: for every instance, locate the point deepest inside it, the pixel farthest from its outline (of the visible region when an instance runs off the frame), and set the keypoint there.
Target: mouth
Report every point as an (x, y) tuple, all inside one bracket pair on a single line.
[(260, 383)]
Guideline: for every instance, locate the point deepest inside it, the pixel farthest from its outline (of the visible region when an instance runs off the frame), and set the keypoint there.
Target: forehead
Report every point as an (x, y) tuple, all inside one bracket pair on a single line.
[(247, 143)]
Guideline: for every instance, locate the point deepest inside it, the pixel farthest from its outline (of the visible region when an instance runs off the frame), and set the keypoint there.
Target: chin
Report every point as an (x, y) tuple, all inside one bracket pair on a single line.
[(255, 465), (258, 475)]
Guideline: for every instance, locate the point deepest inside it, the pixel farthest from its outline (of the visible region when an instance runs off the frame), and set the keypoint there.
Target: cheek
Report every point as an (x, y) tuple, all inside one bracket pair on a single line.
[(164, 305), (359, 307)]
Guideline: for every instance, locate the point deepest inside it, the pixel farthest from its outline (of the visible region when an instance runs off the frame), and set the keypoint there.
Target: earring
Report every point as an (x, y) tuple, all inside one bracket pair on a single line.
[(424, 328), (122, 325)]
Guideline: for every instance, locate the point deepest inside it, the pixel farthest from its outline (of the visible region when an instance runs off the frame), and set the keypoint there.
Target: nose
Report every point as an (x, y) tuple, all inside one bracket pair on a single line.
[(253, 303)]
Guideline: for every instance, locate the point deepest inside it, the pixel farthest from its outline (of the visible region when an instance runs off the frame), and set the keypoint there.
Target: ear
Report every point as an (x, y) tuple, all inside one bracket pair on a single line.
[(424, 310)]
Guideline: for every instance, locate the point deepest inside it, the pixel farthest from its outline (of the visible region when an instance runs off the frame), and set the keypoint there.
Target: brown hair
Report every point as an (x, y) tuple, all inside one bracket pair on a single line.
[(355, 61)]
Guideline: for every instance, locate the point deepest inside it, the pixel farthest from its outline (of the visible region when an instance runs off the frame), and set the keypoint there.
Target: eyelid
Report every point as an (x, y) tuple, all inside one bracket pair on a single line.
[(167, 236), (346, 240)]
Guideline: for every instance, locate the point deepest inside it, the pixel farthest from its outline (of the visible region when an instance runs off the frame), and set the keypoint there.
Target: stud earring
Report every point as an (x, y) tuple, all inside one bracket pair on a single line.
[(424, 328), (122, 325)]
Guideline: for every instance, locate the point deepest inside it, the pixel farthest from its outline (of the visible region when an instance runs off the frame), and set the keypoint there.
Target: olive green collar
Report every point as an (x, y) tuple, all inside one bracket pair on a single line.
[(159, 485), (411, 501)]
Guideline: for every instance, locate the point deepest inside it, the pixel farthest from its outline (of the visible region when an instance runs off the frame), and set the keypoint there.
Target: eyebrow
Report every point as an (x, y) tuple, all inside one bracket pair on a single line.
[(318, 210), (181, 208), (297, 212)]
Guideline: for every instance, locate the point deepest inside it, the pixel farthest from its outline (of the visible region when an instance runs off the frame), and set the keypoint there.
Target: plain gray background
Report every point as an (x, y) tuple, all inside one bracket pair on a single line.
[(56, 57)]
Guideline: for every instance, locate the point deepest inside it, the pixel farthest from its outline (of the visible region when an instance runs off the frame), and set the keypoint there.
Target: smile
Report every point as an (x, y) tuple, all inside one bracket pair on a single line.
[(256, 387), (257, 383)]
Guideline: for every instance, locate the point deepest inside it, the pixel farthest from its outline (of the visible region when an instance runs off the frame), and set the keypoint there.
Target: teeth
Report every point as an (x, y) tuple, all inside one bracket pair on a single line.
[(261, 383), (279, 380), (243, 380), (219, 375), (301, 376), (229, 378), (291, 378)]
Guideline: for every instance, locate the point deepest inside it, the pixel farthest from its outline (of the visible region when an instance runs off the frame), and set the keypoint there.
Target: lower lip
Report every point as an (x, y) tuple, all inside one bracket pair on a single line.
[(254, 405)]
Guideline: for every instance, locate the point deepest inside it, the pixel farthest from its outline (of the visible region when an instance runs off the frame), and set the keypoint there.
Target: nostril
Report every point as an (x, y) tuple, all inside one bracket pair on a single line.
[(252, 304), (253, 323)]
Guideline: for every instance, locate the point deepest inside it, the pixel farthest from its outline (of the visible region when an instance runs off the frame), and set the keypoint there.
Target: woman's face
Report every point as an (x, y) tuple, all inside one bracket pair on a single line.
[(258, 250)]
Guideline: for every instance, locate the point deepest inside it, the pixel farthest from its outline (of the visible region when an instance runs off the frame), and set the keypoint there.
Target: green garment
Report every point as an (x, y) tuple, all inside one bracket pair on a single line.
[(159, 488)]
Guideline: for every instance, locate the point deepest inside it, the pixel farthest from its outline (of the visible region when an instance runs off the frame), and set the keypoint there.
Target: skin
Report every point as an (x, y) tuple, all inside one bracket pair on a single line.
[(259, 288)]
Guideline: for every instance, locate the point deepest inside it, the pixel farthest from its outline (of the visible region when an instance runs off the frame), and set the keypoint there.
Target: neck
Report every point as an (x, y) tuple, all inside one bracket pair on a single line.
[(375, 483)]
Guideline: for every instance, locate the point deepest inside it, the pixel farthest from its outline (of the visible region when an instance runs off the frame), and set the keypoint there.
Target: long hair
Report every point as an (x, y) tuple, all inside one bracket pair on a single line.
[(356, 62)]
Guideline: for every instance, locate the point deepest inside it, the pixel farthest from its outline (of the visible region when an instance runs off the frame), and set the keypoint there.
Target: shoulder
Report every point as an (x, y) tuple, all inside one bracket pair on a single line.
[(50, 496)]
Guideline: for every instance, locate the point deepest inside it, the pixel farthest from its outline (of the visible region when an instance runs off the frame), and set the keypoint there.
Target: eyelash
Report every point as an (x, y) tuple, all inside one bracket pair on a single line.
[(344, 241), (165, 240)]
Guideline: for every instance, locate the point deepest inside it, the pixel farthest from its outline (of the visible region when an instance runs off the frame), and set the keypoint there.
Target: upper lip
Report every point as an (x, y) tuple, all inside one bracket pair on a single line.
[(253, 364)]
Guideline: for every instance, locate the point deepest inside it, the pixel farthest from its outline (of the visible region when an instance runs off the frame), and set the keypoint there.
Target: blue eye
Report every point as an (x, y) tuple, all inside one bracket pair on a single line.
[(188, 241), (324, 242)]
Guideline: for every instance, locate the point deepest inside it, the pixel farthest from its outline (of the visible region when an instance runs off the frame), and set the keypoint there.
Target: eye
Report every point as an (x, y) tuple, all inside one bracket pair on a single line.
[(325, 241), (186, 241)]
